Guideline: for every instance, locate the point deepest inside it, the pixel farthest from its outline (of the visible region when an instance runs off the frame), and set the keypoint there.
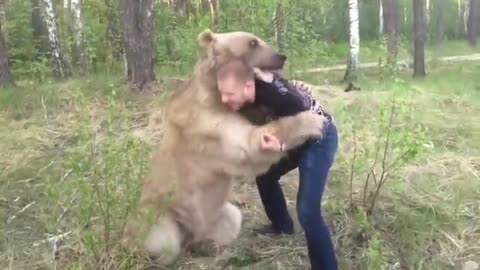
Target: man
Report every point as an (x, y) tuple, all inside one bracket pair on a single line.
[(238, 86)]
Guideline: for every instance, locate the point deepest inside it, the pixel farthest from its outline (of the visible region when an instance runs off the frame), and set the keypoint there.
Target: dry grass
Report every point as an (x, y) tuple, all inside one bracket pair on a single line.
[(72, 154)]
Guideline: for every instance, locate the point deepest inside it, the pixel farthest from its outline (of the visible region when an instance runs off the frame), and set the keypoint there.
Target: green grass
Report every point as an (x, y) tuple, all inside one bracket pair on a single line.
[(73, 153)]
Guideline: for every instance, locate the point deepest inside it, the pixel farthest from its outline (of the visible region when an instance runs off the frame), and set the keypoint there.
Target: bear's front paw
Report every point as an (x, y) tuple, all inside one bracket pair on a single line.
[(313, 124)]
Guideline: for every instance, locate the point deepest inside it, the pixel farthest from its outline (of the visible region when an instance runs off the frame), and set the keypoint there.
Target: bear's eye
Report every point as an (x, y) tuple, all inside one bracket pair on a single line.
[(253, 43)]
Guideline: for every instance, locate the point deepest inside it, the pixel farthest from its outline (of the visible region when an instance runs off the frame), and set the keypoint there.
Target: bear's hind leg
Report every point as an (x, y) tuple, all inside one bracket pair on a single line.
[(164, 241), (222, 233), (228, 225)]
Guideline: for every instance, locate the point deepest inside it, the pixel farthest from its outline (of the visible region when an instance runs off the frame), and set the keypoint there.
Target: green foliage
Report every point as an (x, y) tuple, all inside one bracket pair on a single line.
[(313, 30)]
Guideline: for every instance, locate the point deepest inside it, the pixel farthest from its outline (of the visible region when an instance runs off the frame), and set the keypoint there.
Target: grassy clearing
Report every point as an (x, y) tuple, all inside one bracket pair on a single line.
[(73, 152)]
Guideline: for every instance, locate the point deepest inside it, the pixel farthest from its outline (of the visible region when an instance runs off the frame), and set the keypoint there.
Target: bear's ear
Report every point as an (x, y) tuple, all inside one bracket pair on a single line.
[(206, 38)]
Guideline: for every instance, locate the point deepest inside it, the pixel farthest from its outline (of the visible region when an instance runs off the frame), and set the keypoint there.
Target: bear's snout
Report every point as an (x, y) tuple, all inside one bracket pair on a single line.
[(279, 61)]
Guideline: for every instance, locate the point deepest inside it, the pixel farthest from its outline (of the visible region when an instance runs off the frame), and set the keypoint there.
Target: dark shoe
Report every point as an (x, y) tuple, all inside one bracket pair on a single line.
[(269, 229)]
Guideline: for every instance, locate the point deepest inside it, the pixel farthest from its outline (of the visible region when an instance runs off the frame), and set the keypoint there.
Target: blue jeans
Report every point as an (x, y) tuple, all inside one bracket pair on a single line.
[(314, 160)]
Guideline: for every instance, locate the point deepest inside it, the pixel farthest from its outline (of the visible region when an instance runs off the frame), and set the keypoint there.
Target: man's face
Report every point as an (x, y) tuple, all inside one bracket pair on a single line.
[(235, 93)]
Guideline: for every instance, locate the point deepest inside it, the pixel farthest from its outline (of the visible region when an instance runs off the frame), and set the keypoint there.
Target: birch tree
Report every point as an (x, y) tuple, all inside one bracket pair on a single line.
[(79, 48), (419, 38), (466, 13), (354, 51), (138, 20), (56, 51), (427, 12), (380, 18)]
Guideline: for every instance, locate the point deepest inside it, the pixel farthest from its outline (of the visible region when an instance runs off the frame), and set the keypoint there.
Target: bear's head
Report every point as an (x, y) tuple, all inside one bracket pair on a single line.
[(253, 50)]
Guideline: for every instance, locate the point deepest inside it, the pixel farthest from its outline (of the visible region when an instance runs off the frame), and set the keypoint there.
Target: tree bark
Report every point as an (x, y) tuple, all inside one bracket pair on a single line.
[(138, 20), (39, 30), (56, 51), (473, 22), (380, 19), (6, 77), (279, 27), (390, 18), (427, 12), (183, 7), (442, 9), (353, 53), (79, 49), (419, 38), (113, 33), (466, 14)]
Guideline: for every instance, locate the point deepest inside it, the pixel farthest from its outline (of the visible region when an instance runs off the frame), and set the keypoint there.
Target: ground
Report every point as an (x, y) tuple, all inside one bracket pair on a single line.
[(73, 152)]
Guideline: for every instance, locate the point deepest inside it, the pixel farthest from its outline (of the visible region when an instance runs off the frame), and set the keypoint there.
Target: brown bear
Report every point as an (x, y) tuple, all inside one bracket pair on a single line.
[(205, 147)]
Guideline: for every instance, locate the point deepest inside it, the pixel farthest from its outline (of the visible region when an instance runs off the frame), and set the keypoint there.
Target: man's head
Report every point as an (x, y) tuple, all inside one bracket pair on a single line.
[(236, 83)]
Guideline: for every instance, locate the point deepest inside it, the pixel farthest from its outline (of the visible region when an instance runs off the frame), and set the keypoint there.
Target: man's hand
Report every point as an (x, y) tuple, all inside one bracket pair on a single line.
[(270, 142)]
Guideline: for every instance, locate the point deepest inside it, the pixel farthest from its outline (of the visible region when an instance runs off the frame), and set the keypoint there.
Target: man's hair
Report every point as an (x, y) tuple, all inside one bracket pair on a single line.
[(236, 67)]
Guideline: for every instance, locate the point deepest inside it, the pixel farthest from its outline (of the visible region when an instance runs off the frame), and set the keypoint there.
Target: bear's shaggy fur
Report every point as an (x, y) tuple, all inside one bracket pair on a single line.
[(205, 147)]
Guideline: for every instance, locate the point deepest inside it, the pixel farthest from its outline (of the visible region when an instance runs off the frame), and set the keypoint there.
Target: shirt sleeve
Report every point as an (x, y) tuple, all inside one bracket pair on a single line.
[(280, 96)]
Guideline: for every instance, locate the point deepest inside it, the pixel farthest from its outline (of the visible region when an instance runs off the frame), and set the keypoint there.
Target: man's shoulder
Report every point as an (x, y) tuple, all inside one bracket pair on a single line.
[(302, 86)]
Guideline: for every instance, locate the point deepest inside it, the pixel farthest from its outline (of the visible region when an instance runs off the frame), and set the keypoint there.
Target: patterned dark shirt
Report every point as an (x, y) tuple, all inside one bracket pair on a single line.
[(286, 98)]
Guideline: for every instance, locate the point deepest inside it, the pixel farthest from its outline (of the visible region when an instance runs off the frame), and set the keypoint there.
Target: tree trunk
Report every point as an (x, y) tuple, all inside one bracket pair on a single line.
[(473, 22), (390, 18), (353, 53), (6, 77), (279, 27), (204, 6), (212, 5), (80, 57), (39, 30), (427, 12), (113, 32), (138, 20), (56, 51), (380, 19), (442, 8), (419, 38), (183, 7), (459, 8), (466, 14)]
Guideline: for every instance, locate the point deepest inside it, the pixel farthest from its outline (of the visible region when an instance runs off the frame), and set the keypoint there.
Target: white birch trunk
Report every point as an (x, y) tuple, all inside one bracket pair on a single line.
[(353, 54), (427, 11), (76, 8), (77, 18), (380, 19), (53, 38), (466, 14), (212, 9)]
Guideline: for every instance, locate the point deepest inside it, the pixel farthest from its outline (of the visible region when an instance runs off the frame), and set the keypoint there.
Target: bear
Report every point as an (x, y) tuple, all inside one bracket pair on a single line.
[(205, 147)]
